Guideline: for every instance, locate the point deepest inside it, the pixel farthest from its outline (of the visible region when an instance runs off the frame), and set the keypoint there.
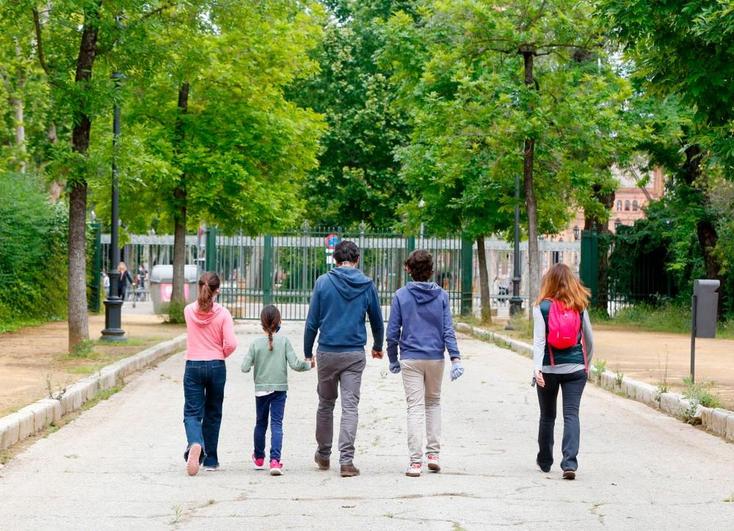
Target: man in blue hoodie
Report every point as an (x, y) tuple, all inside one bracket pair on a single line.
[(420, 324), (340, 300)]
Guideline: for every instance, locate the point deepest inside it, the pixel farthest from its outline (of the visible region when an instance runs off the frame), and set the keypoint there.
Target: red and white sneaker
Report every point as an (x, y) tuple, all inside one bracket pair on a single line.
[(414, 470), (433, 464), (259, 462), (276, 467)]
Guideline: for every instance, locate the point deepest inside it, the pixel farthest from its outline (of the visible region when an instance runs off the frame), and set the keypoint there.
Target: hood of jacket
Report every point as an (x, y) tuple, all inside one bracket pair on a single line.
[(350, 282), (203, 318), (424, 292)]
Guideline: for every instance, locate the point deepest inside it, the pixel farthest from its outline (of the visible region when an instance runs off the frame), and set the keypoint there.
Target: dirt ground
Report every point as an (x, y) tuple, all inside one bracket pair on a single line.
[(656, 358), (33, 361)]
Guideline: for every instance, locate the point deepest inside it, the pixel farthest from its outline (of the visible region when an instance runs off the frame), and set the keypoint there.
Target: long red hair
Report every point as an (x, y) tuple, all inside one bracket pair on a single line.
[(559, 283)]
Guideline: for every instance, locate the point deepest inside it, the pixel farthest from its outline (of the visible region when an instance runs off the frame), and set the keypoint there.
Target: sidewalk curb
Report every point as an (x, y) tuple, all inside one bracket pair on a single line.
[(717, 421), (36, 417)]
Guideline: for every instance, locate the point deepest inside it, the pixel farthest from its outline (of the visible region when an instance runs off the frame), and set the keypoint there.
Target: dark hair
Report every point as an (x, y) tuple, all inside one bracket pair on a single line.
[(346, 251), (208, 285), (420, 265), (270, 321)]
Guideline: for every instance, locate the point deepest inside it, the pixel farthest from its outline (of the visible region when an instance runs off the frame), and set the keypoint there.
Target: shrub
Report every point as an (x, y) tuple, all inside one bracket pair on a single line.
[(33, 254)]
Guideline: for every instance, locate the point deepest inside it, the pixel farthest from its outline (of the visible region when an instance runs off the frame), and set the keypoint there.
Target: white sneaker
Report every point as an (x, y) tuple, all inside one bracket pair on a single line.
[(433, 464), (414, 470)]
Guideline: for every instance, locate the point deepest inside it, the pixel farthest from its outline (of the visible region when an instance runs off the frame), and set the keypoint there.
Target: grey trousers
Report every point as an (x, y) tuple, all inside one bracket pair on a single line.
[(338, 370)]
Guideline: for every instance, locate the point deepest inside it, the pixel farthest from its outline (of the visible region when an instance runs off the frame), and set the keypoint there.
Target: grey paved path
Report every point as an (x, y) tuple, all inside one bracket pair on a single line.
[(119, 465)]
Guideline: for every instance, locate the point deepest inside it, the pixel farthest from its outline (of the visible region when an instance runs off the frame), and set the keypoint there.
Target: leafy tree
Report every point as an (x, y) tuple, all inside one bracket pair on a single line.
[(496, 92), (358, 177)]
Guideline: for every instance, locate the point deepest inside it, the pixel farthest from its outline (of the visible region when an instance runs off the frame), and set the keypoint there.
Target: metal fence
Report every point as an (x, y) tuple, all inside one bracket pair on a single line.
[(282, 270)]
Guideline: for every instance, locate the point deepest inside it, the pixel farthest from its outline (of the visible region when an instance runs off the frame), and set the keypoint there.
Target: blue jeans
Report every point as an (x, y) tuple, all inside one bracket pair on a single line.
[(273, 406), (572, 387), (203, 395)]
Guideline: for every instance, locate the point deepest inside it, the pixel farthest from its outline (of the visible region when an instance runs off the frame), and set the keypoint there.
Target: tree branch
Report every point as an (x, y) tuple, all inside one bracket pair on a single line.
[(39, 42)]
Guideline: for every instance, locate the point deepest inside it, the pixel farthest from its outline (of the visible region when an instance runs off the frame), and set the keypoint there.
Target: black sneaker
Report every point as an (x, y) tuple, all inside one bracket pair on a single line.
[(545, 469)]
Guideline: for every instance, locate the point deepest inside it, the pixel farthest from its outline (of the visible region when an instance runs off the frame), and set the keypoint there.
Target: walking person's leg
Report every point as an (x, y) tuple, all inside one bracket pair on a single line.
[(277, 411), (572, 387), (216, 378), (547, 398), (328, 391), (193, 414), (433, 380), (350, 383), (262, 407), (415, 393)]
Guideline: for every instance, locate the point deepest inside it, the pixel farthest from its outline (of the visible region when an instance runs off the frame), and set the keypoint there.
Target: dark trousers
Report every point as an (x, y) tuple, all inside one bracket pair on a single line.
[(572, 387), (203, 395), (269, 406)]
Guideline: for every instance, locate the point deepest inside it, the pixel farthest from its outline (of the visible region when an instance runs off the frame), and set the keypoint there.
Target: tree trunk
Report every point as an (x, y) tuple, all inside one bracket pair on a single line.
[(16, 102), (705, 229), (531, 205), (483, 281), (77, 281), (179, 194)]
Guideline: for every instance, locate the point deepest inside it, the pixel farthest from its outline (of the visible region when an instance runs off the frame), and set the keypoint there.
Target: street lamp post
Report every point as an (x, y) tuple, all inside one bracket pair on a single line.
[(516, 300), (113, 303)]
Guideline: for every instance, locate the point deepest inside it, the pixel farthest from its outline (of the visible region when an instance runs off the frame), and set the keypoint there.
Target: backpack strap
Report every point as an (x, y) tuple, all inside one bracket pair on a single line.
[(583, 344), (545, 319)]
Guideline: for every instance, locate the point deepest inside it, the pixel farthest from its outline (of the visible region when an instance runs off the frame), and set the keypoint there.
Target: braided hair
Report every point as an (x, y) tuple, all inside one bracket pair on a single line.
[(270, 321)]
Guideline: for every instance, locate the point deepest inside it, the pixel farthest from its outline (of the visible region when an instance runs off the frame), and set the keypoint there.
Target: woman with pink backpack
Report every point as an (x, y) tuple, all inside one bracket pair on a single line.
[(562, 349)]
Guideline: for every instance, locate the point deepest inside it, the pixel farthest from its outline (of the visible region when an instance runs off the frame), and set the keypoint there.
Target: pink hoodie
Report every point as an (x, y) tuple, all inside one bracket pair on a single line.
[(210, 335)]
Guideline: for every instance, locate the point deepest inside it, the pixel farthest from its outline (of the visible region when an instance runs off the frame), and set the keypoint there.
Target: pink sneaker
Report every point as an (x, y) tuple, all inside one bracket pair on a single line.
[(433, 464), (192, 462), (276, 467), (259, 462)]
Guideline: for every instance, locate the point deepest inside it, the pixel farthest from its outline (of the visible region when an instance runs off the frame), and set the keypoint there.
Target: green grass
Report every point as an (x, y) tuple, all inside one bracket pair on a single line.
[(102, 395), (11, 325), (664, 318), (701, 393)]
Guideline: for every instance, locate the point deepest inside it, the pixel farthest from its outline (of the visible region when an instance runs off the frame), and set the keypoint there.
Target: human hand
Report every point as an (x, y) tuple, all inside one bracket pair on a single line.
[(456, 370), (394, 367), (312, 361), (539, 378), (376, 354)]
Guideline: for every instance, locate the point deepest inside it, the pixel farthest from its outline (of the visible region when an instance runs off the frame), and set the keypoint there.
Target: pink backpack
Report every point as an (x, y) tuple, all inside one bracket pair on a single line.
[(564, 325)]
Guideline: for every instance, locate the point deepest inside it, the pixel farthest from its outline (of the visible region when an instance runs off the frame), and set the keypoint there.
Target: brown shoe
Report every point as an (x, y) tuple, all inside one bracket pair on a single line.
[(569, 474), (322, 462), (349, 471)]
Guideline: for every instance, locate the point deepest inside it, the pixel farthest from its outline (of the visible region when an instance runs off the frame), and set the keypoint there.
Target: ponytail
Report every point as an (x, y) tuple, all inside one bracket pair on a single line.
[(270, 321), (208, 286)]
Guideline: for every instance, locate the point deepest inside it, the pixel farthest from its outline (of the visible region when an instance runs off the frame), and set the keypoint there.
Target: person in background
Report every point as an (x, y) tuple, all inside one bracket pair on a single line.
[(560, 318), (420, 329), (210, 340), (125, 280)]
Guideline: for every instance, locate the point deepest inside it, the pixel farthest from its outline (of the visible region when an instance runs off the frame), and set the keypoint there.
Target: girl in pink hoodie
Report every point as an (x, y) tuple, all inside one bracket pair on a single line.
[(210, 339)]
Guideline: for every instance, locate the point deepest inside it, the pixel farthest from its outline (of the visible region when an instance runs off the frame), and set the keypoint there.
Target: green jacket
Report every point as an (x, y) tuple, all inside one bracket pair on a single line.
[(271, 371)]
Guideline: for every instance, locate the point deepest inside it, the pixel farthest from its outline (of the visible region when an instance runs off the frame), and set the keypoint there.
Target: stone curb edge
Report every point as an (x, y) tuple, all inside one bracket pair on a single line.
[(716, 421), (38, 416)]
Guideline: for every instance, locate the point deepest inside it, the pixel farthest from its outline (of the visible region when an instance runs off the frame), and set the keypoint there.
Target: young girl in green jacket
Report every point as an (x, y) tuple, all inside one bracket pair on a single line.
[(270, 356)]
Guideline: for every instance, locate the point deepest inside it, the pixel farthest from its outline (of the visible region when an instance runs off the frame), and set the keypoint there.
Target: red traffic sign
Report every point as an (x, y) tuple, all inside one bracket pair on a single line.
[(331, 240)]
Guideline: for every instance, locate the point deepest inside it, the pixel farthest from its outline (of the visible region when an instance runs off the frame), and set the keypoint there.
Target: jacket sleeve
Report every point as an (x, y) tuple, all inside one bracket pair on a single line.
[(249, 360), (312, 322), (229, 340), (293, 361), (376, 323), (538, 338), (588, 337), (449, 336), (394, 326)]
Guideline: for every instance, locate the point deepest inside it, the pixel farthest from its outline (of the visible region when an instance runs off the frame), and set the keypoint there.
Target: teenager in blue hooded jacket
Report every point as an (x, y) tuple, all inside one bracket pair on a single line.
[(420, 328)]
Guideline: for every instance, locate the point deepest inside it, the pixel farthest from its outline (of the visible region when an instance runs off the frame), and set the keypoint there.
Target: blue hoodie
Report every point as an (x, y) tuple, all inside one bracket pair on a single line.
[(423, 312), (339, 302)]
